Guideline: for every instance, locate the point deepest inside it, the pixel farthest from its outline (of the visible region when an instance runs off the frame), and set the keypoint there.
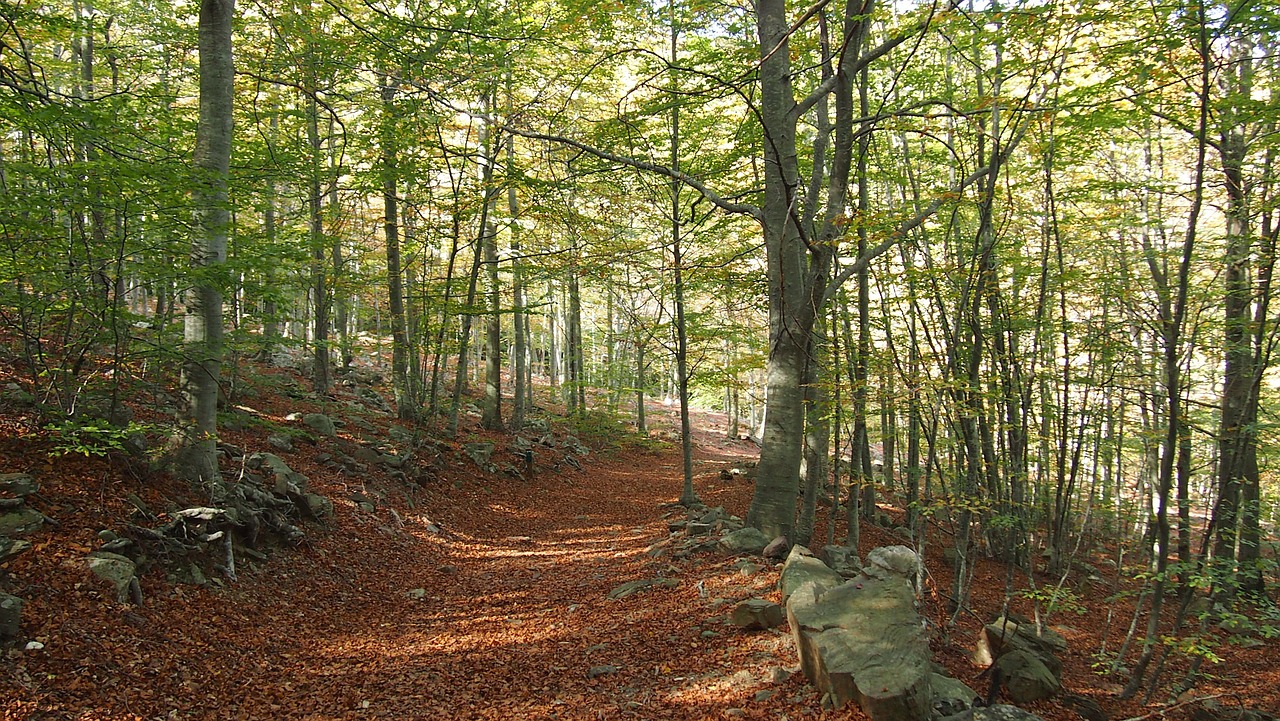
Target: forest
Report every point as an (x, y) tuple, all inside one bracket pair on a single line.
[(991, 279)]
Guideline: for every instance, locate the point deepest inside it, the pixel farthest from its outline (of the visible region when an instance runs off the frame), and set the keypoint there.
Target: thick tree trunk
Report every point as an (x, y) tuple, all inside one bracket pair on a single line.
[(202, 332)]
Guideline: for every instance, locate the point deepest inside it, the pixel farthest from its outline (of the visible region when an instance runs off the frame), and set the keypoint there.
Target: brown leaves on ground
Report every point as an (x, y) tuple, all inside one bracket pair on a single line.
[(486, 598)]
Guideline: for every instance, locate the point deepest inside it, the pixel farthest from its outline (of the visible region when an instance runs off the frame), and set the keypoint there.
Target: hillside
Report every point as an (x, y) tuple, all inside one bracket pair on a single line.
[(440, 589)]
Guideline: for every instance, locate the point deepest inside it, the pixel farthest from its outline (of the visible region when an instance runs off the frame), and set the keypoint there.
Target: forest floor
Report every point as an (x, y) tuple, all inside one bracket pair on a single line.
[(479, 596)]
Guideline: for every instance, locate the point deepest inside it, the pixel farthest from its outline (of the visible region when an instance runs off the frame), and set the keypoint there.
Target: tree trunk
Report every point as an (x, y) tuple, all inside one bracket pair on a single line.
[(202, 332), (406, 403)]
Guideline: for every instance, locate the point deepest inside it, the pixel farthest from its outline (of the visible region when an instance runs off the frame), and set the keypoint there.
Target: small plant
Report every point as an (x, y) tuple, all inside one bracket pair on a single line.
[(1055, 600), (92, 437)]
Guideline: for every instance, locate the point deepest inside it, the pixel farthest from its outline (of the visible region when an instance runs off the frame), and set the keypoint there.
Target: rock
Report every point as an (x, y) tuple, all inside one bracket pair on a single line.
[(697, 529), (18, 484), (280, 441), (317, 506), (1086, 707), (757, 614), (10, 617), (596, 671), (747, 568), (710, 516), (1026, 678), (950, 696), (997, 639), (114, 568), (417, 594), (11, 548), (995, 712), (842, 559), (802, 568), (285, 480), (897, 560), (744, 540), (21, 521), (764, 694), (863, 641), (777, 549), (633, 587), (480, 453), (1024, 626), (676, 525), (320, 423), (1210, 710)]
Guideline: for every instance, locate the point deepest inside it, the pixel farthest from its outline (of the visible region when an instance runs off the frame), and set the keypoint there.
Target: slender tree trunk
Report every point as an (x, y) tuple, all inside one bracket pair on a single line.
[(406, 403)]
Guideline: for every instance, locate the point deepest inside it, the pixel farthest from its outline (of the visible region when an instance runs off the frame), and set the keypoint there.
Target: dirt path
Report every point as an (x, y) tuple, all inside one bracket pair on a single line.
[(504, 615)]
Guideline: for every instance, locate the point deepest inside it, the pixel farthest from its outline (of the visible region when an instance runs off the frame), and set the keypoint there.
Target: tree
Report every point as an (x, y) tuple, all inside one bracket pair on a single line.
[(203, 329)]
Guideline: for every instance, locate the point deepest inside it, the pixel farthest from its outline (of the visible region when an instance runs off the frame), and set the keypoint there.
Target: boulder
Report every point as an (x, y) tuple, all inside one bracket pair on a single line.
[(18, 484), (280, 442), (317, 506), (757, 614), (285, 480), (842, 560), (114, 568), (863, 641), (744, 540), (950, 696), (320, 423), (10, 617), (1026, 678), (803, 568), (480, 453), (892, 560), (11, 548), (20, 521), (997, 639), (994, 712), (777, 549)]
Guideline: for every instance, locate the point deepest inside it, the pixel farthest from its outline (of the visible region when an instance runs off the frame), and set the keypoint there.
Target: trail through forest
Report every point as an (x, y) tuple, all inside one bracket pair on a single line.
[(478, 596), (492, 601)]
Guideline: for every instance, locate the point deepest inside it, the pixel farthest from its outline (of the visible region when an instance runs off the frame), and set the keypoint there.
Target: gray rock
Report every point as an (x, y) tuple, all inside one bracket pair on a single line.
[(280, 442), (697, 529), (757, 614), (11, 548), (18, 484), (10, 617), (114, 568), (632, 587), (1026, 678), (997, 639), (777, 549), (596, 671), (842, 559), (863, 641), (20, 521), (480, 453), (744, 540), (950, 696), (995, 712), (317, 506), (802, 568), (320, 423), (897, 560), (284, 480)]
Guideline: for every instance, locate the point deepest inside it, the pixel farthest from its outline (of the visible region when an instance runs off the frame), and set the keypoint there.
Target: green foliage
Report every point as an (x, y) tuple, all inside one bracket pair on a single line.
[(1055, 599), (93, 437)]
